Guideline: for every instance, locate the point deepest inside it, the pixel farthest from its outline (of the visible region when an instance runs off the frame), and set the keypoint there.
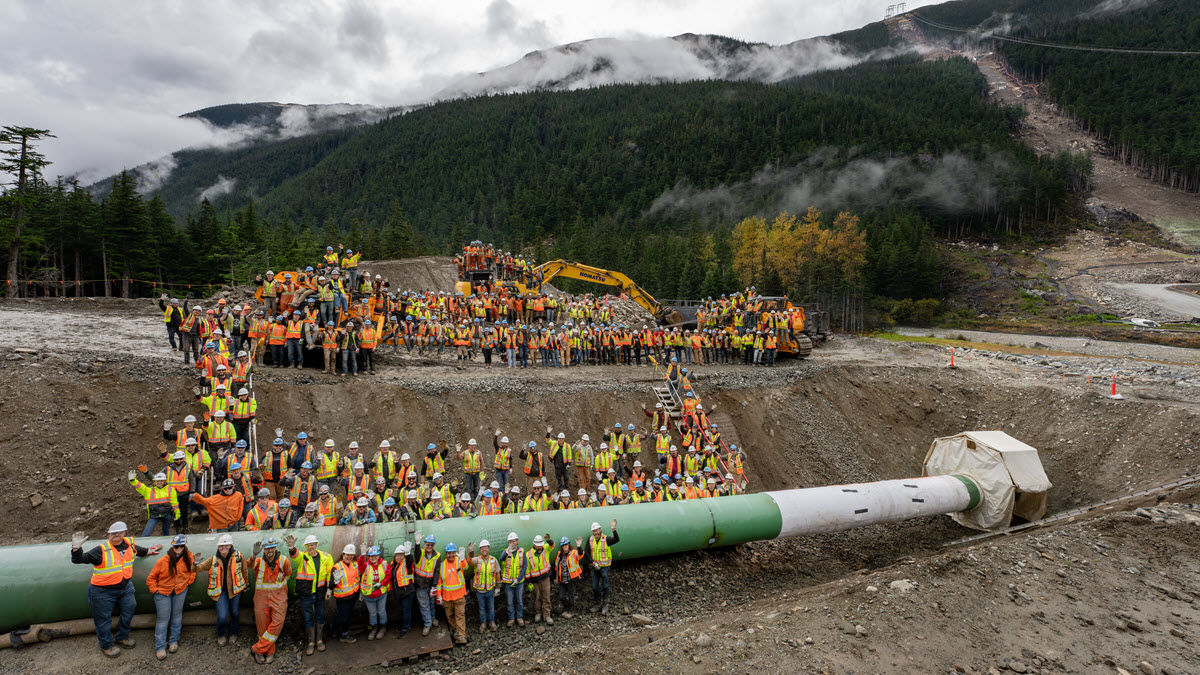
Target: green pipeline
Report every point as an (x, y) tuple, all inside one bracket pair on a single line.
[(39, 583)]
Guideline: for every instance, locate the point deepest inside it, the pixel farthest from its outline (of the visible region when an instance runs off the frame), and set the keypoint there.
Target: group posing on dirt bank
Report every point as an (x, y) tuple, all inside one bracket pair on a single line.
[(332, 310)]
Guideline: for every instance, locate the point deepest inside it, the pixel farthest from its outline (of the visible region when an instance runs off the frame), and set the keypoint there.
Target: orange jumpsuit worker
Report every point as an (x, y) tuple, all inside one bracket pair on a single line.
[(271, 572)]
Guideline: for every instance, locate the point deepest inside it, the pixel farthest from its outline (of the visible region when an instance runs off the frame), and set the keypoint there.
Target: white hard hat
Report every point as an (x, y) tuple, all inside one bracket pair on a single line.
[(437, 475), (178, 455), (595, 526), (190, 418), (516, 489), (538, 541), (504, 439), (349, 549), (225, 540), (637, 463), (405, 457), (658, 405), (662, 428), (385, 444), (537, 483), (243, 391), (604, 446), (582, 491), (484, 544), (601, 488), (310, 539), (190, 441), (466, 497), (564, 493), (472, 442), (412, 494), (586, 438), (160, 476), (353, 444), (358, 465), (561, 435), (436, 494), (118, 526), (219, 413), (512, 536), (329, 442)]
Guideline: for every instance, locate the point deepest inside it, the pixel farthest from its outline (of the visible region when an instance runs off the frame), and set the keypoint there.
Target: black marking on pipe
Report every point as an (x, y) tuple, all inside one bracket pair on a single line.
[(858, 511), (848, 490), (911, 486), (919, 501)]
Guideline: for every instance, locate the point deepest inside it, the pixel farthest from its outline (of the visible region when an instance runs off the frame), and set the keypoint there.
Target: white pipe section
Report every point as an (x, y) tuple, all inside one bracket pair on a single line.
[(841, 507)]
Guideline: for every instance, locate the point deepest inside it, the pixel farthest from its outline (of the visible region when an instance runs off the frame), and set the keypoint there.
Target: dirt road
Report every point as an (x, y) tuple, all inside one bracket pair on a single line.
[(1182, 305)]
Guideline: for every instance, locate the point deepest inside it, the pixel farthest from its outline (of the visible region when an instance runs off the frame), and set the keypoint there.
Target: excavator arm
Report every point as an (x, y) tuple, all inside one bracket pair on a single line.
[(574, 270)]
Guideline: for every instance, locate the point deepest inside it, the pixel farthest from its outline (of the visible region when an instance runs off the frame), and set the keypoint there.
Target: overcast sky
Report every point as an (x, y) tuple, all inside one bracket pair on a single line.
[(111, 77)]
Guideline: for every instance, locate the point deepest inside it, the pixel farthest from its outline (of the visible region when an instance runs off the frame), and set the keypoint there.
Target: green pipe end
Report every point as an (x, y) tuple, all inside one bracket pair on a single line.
[(972, 489)]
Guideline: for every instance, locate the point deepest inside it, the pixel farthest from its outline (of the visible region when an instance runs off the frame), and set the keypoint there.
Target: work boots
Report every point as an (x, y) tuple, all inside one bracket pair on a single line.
[(382, 630), (113, 651), (345, 637), (604, 608), (596, 607), (321, 637), (549, 621), (311, 634), (424, 630)]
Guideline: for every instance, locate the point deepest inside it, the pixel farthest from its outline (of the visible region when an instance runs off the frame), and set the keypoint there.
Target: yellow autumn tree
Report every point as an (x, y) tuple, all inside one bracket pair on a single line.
[(749, 248), (848, 247)]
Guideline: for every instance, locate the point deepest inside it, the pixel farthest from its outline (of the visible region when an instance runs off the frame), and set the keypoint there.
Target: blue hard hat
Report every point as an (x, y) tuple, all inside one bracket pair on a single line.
[(328, 248), (431, 446), (431, 539), (533, 444), (451, 548), (301, 436), (240, 444), (564, 541), (308, 269), (270, 543), (630, 427), (624, 488), (306, 465), (179, 540), (617, 425), (658, 481), (312, 300), (389, 502), (235, 466), (374, 550), (638, 484), (277, 441), (210, 345), (487, 493), (678, 476)]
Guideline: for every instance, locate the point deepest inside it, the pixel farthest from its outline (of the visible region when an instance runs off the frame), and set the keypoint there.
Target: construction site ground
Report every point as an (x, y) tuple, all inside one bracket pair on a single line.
[(1089, 596)]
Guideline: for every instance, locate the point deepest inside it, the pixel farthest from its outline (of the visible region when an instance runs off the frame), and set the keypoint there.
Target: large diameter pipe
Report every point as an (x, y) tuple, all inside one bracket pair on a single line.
[(40, 585)]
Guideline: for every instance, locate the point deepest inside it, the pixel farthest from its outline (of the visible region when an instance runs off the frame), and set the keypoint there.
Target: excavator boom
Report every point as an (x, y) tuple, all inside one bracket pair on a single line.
[(574, 270)]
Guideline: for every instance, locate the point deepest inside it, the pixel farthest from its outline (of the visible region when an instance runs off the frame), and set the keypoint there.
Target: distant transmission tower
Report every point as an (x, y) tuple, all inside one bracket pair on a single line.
[(891, 11)]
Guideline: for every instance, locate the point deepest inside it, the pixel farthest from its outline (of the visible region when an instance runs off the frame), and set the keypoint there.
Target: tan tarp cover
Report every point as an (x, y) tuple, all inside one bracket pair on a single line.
[(1008, 472)]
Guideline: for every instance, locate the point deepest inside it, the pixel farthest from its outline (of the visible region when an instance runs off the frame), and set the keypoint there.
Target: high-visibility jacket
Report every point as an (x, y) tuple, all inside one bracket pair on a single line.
[(540, 503), (633, 444), (426, 565), (535, 464), (278, 334), (510, 571), (384, 465), (179, 480), (368, 338), (348, 584), (437, 507), (260, 518), (243, 411), (182, 435), (539, 562), (350, 262), (604, 461), (303, 490), (216, 576), (567, 564), (434, 464), (328, 464), (473, 462), (158, 499), (295, 329), (363, 481), (487, 574), (115, 566), (503, 459), (221, 432), (374, 581), (275, 463), (310, 571), (601, 554), (451, 583), (488, 507), (662, 444), (270, 578), (328, 510), (197, 461), (241, 371)]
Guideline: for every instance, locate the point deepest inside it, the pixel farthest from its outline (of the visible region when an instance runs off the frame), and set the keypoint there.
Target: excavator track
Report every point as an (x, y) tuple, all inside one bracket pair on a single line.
[(803, 346)]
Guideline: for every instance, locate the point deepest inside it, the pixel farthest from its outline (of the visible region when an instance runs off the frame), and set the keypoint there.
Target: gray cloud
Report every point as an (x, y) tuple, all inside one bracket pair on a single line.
[(953, 183), (223, 186), (362, 33)]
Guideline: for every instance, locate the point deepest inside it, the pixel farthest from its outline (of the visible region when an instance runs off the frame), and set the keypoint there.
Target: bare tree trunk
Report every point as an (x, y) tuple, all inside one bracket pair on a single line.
[(104, 265)]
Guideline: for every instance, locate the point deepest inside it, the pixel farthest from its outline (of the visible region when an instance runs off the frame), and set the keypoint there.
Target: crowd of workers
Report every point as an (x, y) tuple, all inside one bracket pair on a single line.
[(214, 471), (346, 318)]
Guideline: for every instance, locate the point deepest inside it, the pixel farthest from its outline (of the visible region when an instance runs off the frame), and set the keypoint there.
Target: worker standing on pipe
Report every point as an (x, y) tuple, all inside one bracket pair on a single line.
[(111, 588), (270, 597), (162, 502), (599, 557), (226, 581), (313, 569)]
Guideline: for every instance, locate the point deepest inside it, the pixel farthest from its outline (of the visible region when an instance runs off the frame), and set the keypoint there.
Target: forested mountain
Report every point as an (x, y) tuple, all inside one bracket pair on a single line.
[(1146, 106)]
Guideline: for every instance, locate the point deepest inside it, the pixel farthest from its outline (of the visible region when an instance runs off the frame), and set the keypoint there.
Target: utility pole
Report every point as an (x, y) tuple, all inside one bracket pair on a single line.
[(18, 157)]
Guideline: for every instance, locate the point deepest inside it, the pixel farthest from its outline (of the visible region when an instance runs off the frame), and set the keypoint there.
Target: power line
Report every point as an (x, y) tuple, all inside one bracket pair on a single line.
[(1057, 45)]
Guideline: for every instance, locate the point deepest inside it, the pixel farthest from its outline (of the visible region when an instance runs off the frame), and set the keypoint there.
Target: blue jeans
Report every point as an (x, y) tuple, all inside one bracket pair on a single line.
[(339, 301), (229, 612), (312, 608), (425, 604), (502, 479), (154, 522), (169, 610), (295, 357), (377, 610), (349, 363), (523, 354), (405, 612), (512, 357), (327, 312), (514, 597), (487, 606), (104, 600), (599, 581), (473, 485), (172, 331)]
